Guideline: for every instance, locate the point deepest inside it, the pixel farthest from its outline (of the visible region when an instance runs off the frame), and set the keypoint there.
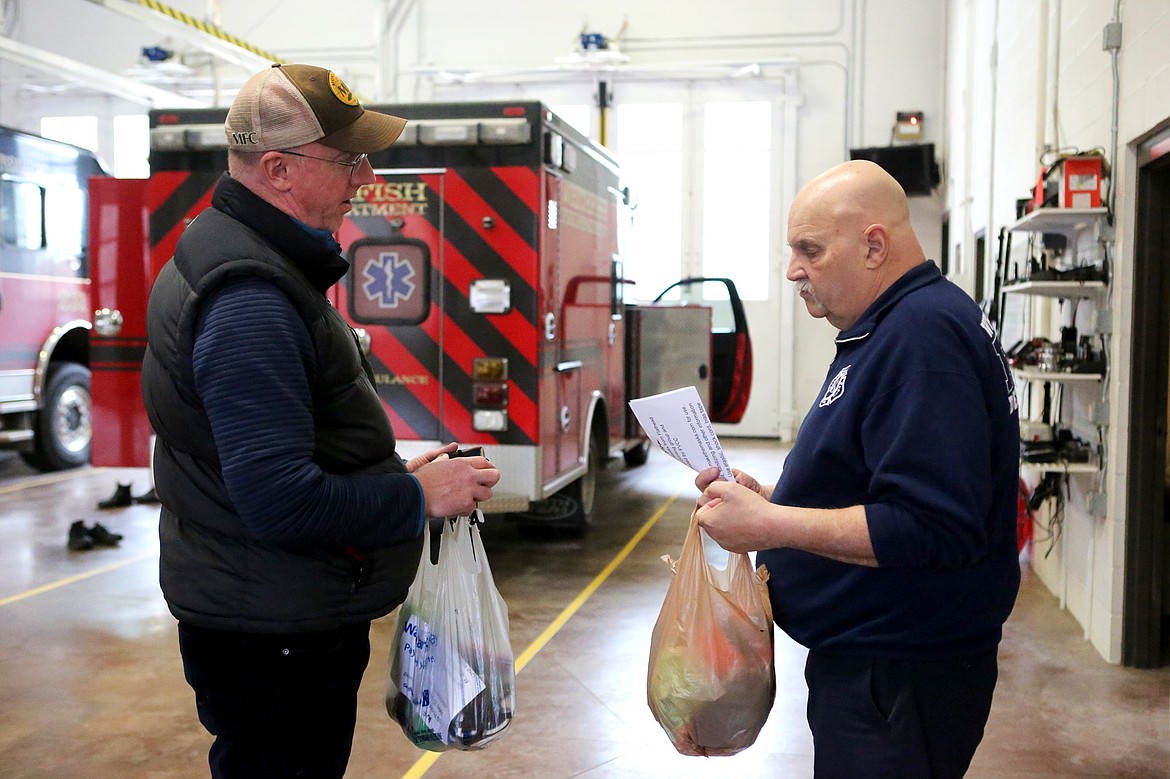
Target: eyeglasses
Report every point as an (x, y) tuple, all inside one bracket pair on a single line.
[(353, 164)]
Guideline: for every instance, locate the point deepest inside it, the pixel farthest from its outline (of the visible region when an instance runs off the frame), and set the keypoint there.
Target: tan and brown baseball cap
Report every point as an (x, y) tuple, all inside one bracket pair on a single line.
[(285, 106)]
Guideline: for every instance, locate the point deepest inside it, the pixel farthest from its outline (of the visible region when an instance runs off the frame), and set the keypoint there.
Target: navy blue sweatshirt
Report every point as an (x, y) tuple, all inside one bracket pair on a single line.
[(917, 421)]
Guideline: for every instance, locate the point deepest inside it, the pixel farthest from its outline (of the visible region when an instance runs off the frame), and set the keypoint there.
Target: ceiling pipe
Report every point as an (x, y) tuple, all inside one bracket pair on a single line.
[(699, 70)]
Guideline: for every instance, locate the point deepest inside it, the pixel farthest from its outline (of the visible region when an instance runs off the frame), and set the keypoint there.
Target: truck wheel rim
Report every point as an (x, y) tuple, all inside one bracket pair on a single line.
[(72, 424)]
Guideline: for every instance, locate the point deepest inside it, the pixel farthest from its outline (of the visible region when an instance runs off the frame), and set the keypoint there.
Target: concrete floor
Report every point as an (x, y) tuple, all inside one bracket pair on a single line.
[(91, 683)]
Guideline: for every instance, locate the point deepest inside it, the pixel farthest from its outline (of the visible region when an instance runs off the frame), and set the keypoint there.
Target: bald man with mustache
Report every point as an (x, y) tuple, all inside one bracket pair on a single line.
[(890, 535)]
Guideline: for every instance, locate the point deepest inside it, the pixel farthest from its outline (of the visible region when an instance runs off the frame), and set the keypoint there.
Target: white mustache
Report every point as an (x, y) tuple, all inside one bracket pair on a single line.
[(805, 286)]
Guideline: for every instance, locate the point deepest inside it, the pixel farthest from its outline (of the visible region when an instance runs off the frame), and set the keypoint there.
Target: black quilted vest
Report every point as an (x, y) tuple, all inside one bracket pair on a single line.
[(213, 573)]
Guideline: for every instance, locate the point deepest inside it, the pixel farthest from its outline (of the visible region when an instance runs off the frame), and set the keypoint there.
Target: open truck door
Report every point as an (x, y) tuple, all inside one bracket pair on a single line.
[(731, 345)]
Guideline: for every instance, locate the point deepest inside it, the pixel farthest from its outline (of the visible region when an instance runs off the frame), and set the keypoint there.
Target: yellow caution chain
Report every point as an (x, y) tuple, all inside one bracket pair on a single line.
[(208, 29)]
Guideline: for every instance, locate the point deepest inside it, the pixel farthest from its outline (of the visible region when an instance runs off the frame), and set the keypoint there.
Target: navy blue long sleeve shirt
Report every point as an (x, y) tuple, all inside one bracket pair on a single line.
[(917, 421), (253, 361)]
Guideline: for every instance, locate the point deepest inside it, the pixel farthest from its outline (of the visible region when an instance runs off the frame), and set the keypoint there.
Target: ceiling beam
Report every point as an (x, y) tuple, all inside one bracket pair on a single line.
[(94, 78), (202, 35)]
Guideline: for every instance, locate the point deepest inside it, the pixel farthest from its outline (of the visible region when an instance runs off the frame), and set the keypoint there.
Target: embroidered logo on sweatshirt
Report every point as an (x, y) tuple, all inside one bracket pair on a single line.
[(836, 388), (1008, 383)]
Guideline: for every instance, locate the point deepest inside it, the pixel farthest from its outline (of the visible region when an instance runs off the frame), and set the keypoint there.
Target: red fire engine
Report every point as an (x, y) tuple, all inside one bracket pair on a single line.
[(44, 300), (486, 283)]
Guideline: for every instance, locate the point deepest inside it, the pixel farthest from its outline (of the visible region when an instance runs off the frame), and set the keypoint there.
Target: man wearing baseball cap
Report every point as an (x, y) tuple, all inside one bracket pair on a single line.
[(288, 520)]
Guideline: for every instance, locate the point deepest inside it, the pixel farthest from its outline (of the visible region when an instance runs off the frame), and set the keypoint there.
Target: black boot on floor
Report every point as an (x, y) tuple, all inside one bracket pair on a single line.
[(79, 537), (119, 499), (103, 537), (148, 497)]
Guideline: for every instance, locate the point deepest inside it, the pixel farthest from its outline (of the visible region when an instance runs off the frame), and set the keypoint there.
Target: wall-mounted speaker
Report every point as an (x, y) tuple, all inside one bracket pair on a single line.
[(912, 165)]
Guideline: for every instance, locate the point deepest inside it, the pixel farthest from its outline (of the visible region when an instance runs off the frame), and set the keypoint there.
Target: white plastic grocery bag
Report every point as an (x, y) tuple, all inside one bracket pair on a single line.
[(452, 672)]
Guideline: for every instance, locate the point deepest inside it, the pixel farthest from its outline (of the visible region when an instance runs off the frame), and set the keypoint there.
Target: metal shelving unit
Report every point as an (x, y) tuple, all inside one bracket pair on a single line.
[(1066, 221), (1030, 374), (1061, 467), (1069, 222), (1086, 290)]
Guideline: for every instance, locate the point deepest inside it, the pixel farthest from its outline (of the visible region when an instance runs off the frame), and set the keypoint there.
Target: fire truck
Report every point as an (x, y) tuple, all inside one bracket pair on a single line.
[(486, 285), (44, 299)]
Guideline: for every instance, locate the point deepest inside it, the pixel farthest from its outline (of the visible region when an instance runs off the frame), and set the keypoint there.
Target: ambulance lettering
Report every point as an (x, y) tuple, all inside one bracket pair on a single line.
[(419, 380), (391, 198)]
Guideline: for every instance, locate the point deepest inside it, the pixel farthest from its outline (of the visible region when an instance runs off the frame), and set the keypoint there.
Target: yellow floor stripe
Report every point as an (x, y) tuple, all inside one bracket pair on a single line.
[(426, 761), (79, 577), (41, 481), (579, 601)]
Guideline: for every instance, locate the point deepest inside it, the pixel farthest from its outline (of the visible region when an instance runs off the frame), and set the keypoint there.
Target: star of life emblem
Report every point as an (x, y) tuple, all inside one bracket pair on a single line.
[(836, 388), (388, 280)]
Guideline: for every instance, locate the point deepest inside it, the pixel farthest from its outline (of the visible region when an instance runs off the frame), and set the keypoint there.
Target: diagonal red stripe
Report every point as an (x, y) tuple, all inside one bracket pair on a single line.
[(162, 186), (504, 240)]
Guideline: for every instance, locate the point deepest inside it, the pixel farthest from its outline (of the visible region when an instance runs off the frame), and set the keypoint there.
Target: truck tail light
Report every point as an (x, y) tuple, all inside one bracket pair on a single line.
[(489, 369), (492, 394), (489, 394)]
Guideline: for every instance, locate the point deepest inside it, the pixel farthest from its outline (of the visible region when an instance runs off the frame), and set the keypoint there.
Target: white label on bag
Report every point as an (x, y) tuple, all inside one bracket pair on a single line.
[(429, 666)]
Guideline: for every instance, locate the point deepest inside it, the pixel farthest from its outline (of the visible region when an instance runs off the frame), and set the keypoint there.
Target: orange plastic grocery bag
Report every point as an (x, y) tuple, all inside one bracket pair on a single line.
[(712, 676)]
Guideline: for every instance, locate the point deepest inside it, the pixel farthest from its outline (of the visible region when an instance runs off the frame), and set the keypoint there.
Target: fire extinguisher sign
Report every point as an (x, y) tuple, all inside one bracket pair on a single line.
[(390, 282)]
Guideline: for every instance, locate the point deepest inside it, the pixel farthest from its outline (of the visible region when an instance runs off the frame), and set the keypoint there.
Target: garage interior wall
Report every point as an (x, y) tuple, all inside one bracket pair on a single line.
[(1026, 80), (997, 82)]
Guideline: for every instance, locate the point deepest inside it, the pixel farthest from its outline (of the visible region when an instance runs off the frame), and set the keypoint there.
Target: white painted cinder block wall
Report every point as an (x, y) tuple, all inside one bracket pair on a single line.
[(1023, 76)]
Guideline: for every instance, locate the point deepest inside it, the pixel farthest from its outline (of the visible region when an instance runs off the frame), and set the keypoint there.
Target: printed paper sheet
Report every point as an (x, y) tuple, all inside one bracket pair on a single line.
[(677, 421)]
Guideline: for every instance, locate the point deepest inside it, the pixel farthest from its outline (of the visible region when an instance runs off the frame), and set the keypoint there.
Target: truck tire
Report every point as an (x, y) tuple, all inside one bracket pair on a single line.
[(584, 490), (570, 511), (638, 455), (64, 425)]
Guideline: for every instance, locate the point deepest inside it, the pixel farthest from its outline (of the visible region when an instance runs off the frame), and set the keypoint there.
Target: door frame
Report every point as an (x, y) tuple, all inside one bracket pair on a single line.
[(1143, 607)]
